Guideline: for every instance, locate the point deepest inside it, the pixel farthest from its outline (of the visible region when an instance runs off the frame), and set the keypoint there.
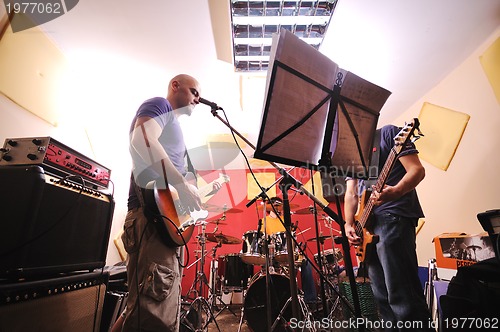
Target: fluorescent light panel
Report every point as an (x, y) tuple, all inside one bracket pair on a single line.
[(254, 23)]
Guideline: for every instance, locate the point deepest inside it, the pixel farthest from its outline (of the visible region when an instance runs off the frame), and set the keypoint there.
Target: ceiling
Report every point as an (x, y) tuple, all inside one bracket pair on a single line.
[(406, 47)]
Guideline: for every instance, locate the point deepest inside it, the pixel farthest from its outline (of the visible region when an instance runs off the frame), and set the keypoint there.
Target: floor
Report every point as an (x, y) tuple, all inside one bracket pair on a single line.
[(227, 319)]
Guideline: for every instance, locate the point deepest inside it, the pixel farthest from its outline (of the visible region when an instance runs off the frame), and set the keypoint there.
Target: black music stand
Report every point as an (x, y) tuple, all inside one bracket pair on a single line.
[(301, 127)]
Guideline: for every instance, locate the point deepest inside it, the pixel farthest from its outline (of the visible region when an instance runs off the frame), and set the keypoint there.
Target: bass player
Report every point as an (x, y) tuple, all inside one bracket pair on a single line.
[(392, 265)]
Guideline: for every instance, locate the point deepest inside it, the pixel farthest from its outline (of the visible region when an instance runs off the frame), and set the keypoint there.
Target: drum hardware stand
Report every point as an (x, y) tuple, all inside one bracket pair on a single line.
[(304, 311), (212, 299), (200, 304), (268, 260), (267, 264), (320, 251)]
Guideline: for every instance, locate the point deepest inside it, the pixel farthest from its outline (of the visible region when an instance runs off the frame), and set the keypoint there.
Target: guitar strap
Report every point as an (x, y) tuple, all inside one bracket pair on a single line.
[(140, 195), (190, 166), (375, 161), (138, 192)]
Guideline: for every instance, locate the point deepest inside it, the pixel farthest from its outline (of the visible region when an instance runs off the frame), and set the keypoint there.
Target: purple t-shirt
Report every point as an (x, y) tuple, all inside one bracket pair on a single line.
[(171, 139), (408, 205)]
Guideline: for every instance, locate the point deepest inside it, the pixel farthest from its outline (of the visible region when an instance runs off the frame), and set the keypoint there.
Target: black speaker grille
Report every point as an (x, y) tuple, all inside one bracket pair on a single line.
[(49, 225)]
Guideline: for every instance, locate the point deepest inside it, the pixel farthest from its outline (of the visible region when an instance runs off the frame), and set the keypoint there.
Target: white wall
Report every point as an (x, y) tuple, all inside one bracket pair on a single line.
[(451, 199)]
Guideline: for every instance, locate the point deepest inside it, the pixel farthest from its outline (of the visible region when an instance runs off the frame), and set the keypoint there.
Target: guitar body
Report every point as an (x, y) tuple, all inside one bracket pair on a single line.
[(368, 238), (165, 202), (174, 223)]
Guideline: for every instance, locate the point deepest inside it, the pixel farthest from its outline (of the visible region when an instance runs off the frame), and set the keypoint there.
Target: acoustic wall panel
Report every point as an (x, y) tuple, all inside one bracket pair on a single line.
[(443, 129), (490, 60), (31, 71)]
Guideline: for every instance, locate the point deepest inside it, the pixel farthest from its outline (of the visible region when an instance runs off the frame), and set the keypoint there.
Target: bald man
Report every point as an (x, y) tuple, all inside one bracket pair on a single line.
[(158, 153)]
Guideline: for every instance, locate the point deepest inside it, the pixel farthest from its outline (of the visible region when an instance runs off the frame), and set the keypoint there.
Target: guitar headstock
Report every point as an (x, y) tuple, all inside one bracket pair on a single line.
[(406, 134)]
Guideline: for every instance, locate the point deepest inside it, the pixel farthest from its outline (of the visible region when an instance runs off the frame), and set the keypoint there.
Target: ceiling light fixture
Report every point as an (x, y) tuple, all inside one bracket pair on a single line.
[(254, 23)]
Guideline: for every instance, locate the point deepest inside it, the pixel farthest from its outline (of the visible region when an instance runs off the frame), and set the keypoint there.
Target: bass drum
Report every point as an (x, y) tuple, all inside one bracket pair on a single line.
[(255, 304)]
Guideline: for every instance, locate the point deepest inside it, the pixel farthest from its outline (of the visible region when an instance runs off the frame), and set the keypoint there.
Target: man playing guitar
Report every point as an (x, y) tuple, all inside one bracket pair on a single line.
[(158, 153), (392, 265)]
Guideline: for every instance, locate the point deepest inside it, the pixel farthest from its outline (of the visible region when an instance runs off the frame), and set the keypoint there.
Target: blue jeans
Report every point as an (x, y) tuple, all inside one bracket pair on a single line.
[(393, 272)]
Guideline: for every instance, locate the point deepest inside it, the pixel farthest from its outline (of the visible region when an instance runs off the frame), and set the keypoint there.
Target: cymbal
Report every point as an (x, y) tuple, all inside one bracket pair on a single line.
[(307, 210), (219, 209), (224, 239), (321, 238), (278, 207), (217, 222), (474, 247)]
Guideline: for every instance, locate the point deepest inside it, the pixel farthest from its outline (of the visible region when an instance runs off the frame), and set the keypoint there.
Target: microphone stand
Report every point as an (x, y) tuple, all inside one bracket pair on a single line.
[(286, 209), (289, 180)]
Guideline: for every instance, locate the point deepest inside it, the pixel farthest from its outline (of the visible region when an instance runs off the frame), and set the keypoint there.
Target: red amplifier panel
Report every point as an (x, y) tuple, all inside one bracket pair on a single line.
[(54, 157)]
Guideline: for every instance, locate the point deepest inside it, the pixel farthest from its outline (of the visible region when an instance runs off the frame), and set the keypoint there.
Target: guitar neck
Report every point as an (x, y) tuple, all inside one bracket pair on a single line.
[(379, 185)]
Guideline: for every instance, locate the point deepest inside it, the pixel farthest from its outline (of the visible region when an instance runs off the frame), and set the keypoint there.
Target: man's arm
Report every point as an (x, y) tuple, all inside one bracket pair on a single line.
[(415, 173), (145, 141), (351, 200)]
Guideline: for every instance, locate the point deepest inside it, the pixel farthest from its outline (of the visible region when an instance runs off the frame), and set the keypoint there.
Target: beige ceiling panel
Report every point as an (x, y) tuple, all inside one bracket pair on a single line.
[(220, 15)]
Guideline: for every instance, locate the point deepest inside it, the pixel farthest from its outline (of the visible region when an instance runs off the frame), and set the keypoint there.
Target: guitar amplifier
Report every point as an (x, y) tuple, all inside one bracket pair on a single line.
[(72, 302), (50, 225)]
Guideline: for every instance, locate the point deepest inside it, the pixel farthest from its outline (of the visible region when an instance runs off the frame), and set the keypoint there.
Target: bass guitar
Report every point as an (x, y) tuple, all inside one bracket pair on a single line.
[(174, 222), (363, 217)]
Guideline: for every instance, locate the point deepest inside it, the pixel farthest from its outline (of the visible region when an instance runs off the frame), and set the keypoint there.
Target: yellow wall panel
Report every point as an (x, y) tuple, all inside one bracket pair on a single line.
[(31, 70), (443, 129), (265, 180), (490, 61)]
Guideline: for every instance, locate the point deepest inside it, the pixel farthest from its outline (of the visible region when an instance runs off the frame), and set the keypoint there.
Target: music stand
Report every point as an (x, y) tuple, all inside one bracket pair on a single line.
[(301, 126)]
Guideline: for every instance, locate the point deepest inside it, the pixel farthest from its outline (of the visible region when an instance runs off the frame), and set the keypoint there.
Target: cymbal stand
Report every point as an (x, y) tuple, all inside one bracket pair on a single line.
[(307, 316), (214, 294), (199, 254), (200, 305), (333, 271), (268, 259), (267, 264), (319, 246)]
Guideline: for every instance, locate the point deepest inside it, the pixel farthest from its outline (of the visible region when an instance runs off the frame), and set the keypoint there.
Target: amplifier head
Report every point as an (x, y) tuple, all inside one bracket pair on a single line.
[(54, 157)]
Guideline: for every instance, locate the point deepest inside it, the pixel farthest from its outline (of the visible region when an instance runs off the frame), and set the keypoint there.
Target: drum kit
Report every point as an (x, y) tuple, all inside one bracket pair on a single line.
[(234, 272)]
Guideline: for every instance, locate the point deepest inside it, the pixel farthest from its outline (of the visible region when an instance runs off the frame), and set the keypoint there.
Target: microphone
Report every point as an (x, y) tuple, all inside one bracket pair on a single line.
[(209, 103), (259, 226)]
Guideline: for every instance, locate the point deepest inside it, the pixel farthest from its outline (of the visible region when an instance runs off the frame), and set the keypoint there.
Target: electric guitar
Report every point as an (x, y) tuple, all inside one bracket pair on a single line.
[(363, 217), (174, 222)]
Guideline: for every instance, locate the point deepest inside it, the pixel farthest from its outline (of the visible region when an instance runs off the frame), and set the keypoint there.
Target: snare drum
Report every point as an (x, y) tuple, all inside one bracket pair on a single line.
[(252, 250), (233, 273), (330, 257)]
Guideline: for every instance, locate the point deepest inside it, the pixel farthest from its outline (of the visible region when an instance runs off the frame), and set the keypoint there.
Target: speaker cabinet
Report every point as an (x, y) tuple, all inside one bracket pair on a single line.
[(71, 303), (50, 225)]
